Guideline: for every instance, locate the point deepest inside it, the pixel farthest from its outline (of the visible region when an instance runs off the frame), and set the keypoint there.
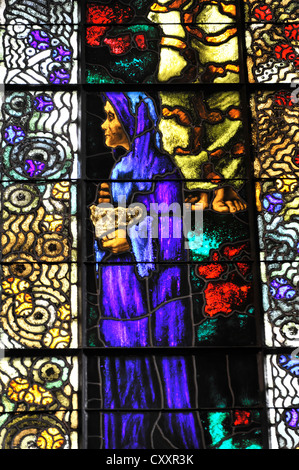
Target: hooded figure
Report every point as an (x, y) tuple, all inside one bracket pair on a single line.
[(143, 303)]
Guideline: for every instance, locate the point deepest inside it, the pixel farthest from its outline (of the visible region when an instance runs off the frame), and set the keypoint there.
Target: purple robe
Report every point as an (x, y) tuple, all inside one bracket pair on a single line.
[(141, 302)]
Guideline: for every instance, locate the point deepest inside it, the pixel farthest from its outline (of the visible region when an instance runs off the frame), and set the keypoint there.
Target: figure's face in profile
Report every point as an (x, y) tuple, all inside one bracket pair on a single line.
[(115, 135)]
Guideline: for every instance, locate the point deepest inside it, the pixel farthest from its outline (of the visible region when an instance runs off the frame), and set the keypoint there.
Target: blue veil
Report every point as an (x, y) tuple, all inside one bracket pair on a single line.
[(145, 161)]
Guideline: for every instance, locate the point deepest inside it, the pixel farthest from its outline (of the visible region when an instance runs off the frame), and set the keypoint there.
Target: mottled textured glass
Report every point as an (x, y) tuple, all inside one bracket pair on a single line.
[(272, 53), (284, 11), (275, 130), (239, 429), (161, 42)]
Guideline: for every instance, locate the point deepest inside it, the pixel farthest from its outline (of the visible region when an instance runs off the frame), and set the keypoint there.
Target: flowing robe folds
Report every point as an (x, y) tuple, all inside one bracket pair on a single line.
[(144, 303)]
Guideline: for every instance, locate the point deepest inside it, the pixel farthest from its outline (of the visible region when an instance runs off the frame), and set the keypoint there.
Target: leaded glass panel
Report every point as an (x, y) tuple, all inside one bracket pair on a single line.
[(161, 42), (149, 227), (39, 403), (39, 42)]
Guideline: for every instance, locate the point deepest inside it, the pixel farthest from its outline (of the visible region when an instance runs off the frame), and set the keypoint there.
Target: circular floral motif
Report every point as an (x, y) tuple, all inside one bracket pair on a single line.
[(292, 31), (13, 134), (281, 289), (61, 54), (61, 190), (40, 316), (36, 156), (43, 103), (285, 52), (20, 198), (52, 247), (292, 418), (21, 266), (39, 39), (27, 322), (51, 373), (263, 12), (29, 318), (273, 202), (24, 431), (59, 76), (50, 438), (18, 104), (290, 330)]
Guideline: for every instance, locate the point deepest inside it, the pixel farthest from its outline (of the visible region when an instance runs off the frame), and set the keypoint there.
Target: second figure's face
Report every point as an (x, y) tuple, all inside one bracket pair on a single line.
[(115, 135)]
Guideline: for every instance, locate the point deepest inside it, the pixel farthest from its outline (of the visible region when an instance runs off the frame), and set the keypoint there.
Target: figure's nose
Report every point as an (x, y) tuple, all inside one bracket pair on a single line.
[(104, 125)]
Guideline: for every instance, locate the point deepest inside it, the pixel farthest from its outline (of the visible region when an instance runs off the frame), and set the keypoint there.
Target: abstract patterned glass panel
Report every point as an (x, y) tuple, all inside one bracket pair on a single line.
[(277, 204), (137, 43), (39, 170), (47, 431), (280, 303), (39, 228), (39, 304), (39, 42), (272, 53), (39, 403), (40, 135), (40, 383), (275, 136), (272, 11), (281, 372), (39, 282)]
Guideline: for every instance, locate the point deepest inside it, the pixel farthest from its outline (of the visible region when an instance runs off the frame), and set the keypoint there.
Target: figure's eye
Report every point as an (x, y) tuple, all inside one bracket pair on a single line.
[(110, 116)]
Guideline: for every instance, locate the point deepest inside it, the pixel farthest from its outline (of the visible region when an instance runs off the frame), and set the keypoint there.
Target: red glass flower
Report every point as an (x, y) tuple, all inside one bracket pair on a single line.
[(292, 31), (263, 12), (285, 52)]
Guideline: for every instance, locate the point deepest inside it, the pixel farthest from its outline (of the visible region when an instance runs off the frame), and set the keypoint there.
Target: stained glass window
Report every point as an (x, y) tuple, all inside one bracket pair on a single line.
[(39, 225), (161, 42), (149, 225), (38, 400), (272, 59), (39, 42)]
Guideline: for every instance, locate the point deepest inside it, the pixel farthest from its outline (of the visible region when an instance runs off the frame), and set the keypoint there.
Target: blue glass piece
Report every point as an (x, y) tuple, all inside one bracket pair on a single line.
[(133, 333), (13, 134), (39, 39), (172, 325), (130, 431), (292, 418), (289, 363), (176, 383), (43, 103), (59, 76), (18, 104), (273, 202), (129, 383), (149, 430), (280, 289), (124, 294), (61, 54)]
